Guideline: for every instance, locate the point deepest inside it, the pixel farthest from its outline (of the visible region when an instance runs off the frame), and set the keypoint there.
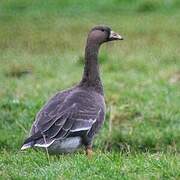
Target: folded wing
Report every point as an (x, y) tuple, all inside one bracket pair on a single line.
[(71, 120)]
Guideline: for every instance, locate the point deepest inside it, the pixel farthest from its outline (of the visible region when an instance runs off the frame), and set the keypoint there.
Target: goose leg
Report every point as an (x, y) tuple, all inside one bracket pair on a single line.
[(89, 151)]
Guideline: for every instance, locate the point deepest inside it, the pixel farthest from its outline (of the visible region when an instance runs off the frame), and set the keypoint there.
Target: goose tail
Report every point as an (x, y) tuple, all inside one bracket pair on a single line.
[(27, 145)]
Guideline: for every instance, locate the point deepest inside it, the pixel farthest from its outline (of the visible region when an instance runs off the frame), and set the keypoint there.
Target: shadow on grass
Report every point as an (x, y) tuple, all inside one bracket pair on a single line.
[(128, 146), (119, 142), (129, 132), (16, 70)]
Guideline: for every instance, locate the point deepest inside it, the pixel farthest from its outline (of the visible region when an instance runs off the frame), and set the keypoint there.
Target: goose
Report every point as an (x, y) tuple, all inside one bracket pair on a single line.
[(71, 118)]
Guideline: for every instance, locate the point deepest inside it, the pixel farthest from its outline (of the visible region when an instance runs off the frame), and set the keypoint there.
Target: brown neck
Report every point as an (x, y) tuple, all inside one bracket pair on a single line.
[(91, 76)]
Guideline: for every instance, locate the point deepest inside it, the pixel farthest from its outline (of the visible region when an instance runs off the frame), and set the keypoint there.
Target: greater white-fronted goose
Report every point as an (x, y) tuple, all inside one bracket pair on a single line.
[(72, 117)]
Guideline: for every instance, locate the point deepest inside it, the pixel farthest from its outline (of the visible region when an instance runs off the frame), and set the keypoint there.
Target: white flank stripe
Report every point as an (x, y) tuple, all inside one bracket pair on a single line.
[(80, 129), (44, 145)]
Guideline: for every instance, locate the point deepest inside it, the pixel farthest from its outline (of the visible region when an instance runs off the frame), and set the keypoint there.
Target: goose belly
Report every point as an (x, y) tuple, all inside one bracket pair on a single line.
[(67, 145)]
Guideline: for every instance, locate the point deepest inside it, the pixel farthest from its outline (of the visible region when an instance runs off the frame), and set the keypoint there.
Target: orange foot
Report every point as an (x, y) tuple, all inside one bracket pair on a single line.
[(89, 152)]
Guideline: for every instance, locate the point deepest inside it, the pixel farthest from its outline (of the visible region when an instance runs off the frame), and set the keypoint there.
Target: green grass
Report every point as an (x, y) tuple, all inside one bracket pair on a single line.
[(101, 166), (41, 52)]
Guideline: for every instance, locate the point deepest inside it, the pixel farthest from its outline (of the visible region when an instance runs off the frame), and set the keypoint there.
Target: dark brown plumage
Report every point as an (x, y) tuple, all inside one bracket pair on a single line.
[(71, 118)]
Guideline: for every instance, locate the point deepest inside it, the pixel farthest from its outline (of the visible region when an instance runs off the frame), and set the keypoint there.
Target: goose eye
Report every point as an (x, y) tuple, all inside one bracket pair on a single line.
[(102, 30)]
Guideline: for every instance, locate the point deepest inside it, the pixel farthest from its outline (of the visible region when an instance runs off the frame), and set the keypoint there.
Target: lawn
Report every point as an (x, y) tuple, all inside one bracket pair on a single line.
[(41, 52)]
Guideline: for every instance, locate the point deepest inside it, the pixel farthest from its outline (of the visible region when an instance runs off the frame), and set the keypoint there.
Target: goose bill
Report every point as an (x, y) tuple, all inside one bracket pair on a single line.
[(115, 36)]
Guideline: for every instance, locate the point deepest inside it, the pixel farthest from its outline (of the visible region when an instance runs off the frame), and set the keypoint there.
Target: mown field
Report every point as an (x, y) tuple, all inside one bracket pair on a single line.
[(41, 52)]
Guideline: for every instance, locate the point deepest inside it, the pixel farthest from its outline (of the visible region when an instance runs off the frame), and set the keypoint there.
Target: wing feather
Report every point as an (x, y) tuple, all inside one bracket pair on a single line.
[(65, 120)]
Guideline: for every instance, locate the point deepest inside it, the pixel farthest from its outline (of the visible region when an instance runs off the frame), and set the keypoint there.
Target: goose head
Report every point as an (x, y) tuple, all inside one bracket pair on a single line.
[(102, 34)]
